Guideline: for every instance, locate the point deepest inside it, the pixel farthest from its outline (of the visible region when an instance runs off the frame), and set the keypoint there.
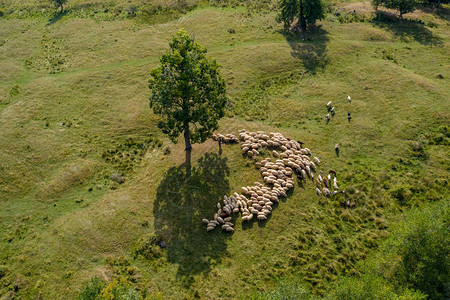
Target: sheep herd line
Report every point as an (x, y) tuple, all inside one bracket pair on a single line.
[(257, 200)]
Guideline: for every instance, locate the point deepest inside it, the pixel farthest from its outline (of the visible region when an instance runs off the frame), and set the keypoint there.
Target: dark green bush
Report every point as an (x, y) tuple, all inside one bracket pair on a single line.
[(369, 287), (418, 251), (148, 247)]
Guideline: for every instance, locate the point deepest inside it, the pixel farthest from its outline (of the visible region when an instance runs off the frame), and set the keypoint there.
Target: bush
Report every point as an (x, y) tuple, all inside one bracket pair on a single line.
[(149, 248), (403, 6), (418, 251), (119, 288), (369, 287), (92, 289)]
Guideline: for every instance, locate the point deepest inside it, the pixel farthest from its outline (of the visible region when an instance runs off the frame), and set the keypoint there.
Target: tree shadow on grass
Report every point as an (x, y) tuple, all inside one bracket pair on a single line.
[(184, 197), (443, 13), (56, 17), (309, 47), (406, 29)]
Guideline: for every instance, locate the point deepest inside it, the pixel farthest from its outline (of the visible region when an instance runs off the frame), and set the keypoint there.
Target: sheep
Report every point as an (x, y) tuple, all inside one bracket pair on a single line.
[(349, 99), (332, 110), (213, 223), (262, 217), (277, 176), (329, 104), (335, 184), (303, 173)]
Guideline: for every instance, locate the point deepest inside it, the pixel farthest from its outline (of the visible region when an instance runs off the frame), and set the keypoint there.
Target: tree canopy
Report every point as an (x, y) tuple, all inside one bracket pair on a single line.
[(403, 6), (188, 91), (306, 12)]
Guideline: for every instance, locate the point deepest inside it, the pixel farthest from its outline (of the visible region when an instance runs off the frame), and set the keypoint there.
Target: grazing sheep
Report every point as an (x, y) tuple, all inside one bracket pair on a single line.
[(326, 191), (329, 104), (277, 176), (349, 99), (332, 110), (335, 183), (303, 173)]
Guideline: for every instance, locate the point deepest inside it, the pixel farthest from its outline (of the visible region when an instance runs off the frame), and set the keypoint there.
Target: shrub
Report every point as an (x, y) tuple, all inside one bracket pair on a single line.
[(148, 247), (369, 287), (92, 289), (418, 250), (403, 6), (121, 289), (15, 90)]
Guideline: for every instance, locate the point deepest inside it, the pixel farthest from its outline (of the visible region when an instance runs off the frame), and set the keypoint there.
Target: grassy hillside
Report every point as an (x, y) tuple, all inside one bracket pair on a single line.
[(74, 110)]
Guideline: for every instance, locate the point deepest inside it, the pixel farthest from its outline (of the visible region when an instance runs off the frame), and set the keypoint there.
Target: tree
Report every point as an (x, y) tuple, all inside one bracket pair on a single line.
[(187, 89), (403, 6), (307, 12), (59, 3)]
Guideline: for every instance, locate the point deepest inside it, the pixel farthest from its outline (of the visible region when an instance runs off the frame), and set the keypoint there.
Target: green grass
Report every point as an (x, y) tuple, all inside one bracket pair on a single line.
[(63, 220)]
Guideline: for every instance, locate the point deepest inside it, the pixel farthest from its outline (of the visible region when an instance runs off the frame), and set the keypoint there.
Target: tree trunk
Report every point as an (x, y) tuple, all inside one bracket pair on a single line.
[(187, 163), (187, 139)]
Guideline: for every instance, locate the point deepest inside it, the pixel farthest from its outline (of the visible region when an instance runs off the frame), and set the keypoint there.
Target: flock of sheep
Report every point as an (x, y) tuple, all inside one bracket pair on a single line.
[(257, 200)]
